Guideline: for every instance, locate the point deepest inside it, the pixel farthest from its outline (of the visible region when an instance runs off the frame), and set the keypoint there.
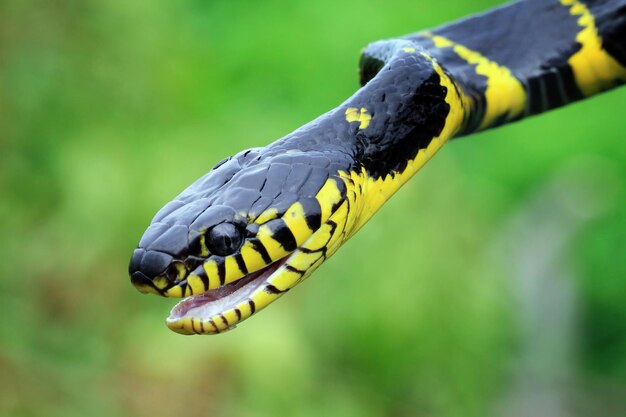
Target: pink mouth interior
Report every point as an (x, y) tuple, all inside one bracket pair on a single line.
[(217, 295)]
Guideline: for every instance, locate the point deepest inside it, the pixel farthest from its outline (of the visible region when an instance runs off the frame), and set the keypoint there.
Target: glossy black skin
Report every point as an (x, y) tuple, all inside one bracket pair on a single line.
[(610, 19), (534, 39), (406, 99)]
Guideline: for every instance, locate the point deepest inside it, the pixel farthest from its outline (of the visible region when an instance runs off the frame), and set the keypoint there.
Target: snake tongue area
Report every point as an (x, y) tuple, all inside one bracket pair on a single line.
[(200, 311)]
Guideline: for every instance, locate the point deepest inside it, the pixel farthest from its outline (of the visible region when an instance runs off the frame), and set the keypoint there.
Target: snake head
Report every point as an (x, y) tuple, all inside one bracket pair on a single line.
[(261, 221), (241, 236)]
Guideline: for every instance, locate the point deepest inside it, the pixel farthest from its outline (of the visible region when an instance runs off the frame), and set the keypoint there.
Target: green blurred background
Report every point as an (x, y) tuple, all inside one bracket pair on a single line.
[(494, 283)]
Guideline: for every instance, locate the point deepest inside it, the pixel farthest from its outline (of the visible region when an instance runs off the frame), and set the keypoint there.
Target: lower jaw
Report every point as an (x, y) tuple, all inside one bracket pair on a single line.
[(219, 310)]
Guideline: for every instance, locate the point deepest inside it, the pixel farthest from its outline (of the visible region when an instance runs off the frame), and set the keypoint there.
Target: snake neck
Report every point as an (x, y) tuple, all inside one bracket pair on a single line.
[(406, 104)]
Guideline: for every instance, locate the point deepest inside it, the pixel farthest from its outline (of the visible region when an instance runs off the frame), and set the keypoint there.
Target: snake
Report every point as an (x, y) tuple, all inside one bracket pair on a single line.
[(261, 221)]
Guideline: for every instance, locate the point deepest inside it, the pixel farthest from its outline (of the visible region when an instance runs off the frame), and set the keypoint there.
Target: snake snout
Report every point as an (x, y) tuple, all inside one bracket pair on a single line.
[(153, 271), (161, 260)]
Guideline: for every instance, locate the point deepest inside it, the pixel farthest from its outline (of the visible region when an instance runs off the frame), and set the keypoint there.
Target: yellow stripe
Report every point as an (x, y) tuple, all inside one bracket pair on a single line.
[(504, 94), (355, 115), (219, 323), (233, 272), (303, 261), (285, 279), (253, 259), (267, 215), (231, 316), (160, 282), (147, 289), (295, 219), (340, 216), (319, 238), (328, 196), (175, 291), (210, 267), (204, 250), (196, 284), (274, 247), (594, 69), (262, 298)]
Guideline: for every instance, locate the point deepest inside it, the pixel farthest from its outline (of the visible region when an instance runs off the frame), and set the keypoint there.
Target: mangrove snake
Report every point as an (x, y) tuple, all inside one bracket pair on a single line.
[(263, 220)]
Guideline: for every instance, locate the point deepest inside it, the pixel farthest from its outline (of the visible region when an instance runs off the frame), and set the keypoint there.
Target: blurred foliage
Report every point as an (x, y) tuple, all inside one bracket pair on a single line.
[(110, 107)]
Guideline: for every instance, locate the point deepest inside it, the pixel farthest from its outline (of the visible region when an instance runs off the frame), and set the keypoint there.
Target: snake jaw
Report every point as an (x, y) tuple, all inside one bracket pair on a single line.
[(219, 309), (283, 243)]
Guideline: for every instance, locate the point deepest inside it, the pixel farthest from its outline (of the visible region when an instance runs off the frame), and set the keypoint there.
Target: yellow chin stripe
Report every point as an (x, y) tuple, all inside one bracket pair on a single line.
[(594, 69)]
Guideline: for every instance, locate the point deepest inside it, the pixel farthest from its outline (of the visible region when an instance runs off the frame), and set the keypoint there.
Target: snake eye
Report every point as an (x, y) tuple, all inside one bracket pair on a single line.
[(224, 239)]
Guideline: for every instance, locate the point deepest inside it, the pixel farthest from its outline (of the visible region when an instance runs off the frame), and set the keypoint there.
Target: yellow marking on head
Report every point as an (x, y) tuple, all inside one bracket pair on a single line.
[(327, 197), (594, 68), (196, 284), (439, 41), (253, 259), (177, 327), (355, 115), (319, 239), (245, 309), (262, 298), (408, 49), (303, 261), (160, 282), (504, 94), (184, 326), (274, 247), (219, 323), (295, 219), (267, 215), (204, 250), (182, 271), (175, 291), (233, 272), (231, 316), (340, 216), (285, 280), (338, 237), (210, 267), (197, 325), (146, 289)]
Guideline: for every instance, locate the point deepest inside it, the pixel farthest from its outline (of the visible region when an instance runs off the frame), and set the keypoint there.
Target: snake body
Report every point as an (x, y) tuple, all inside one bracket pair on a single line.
[(264, 219)]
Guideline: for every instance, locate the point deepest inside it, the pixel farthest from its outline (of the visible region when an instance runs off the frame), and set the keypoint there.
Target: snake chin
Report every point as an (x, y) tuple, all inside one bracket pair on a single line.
[(208, 309)]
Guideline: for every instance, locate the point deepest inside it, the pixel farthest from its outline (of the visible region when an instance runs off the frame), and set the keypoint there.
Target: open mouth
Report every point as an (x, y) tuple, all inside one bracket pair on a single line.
[(219, 309)]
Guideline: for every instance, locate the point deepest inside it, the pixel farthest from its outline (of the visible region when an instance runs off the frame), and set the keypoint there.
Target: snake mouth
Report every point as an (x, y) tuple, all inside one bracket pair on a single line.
[(219, 309)]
